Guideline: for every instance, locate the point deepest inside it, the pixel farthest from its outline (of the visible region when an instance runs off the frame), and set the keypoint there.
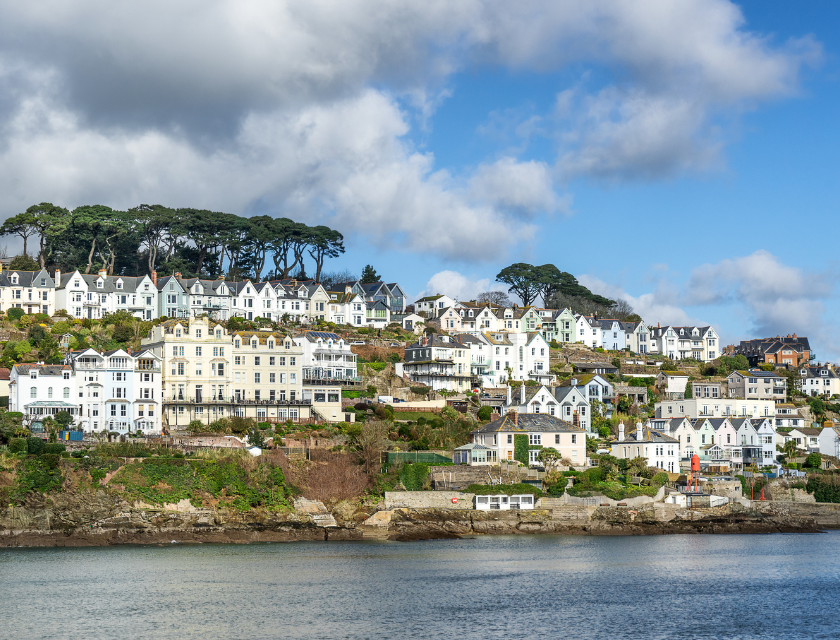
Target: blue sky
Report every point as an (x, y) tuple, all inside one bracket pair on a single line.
[(681, 154)]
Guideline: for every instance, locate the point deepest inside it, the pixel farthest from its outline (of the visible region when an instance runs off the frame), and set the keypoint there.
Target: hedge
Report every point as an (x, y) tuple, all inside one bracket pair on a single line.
[(17, 445), (413, 476)]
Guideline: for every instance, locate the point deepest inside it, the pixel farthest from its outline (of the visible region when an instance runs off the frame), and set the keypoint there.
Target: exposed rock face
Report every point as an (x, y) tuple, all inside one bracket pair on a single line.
[(103, 518)]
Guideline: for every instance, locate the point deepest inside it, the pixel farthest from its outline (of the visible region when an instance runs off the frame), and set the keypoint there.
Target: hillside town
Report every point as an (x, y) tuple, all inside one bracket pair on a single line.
[(293, 352)]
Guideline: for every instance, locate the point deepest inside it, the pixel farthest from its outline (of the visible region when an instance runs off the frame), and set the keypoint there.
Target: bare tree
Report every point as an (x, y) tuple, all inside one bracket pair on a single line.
[(622, 310), (497, 298), (332, 278), (371, 443)]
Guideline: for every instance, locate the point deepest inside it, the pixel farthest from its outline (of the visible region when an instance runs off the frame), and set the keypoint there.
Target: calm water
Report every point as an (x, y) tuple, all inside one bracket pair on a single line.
[(748, 586)]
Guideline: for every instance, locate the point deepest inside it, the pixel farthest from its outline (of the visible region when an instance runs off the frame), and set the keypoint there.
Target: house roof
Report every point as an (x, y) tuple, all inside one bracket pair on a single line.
[(314, 336), (674, 374), (529, 422), (649, 434)]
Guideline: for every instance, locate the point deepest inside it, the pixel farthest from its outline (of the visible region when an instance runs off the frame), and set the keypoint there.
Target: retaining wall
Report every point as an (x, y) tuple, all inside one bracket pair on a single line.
[(428, 500)]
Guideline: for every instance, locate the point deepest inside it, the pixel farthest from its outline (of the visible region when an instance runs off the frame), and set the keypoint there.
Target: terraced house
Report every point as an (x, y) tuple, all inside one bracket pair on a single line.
[(540, 429), (31, 291), (682, 343), (439, 362), (94, 296)]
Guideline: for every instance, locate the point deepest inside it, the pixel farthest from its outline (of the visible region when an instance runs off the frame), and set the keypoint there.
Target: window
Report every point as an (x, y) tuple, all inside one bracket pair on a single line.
[(534, 438), (198, 351), (510, 438), (256, 378), (256, 361)]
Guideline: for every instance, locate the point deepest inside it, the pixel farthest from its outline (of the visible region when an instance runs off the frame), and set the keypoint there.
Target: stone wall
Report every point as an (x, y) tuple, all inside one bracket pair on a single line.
[(779, 490), (728, 488), (428, 500)]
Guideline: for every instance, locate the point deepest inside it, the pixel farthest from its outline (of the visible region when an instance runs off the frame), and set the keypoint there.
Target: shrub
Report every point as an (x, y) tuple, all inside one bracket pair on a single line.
[(504, 489), (659, 479), (35, 446), (361, 406), (54, 448), (485, 412), (15, 314), (814, 461), (17, 445), (420, 391)]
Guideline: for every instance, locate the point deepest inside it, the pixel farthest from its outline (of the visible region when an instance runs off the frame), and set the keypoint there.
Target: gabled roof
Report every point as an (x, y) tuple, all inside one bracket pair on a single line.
[(529, 422), (649, 434), (27, 279)]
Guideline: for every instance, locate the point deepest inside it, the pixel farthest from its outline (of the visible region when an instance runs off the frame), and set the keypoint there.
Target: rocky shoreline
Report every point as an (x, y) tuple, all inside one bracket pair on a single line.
[(102, 519)]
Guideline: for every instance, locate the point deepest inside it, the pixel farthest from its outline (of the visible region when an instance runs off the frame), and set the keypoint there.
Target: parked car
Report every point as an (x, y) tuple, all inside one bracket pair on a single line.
[(395, 344), (358, 342)]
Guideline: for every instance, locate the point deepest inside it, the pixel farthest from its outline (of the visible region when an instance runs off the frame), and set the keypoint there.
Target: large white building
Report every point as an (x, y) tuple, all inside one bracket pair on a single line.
[(32, 291), (118, 391), (38, 391), (94, 296), (659, 450), (681, 343), (715, 408)]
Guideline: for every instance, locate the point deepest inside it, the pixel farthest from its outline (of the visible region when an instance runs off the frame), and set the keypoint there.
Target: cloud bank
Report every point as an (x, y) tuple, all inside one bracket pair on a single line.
[(304, 108)]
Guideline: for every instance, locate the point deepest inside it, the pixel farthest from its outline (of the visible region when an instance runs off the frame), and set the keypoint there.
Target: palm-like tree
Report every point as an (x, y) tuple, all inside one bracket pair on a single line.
[(789, 449)]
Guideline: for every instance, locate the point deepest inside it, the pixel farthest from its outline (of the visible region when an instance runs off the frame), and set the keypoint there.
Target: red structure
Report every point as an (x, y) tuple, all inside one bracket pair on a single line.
[(695, 473)]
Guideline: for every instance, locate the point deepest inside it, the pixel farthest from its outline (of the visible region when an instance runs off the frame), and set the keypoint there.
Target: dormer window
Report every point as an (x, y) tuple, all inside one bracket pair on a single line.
[(236, 344), (33, 374), (99, 284), (43, 282), (14, 279), (218, 333), (119, 284)]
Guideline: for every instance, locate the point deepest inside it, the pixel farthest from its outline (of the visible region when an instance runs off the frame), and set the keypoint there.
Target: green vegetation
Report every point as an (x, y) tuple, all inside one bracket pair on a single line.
[(235, 478), (484, 413), (547, 281), (504, 489), (826, 488), (520, 448), (192, 241), (413, 476), (414, 415)]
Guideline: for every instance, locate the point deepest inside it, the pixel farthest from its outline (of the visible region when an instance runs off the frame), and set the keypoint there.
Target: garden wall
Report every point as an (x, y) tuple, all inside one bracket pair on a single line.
[(428, 500)]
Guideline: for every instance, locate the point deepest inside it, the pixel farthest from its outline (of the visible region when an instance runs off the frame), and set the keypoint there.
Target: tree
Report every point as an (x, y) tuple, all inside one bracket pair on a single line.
[(49, 221), (814, 461), (23, 263), (159, 234), (485, 412), (790, 449), (687, 394), (331, 279), (21, 225), (63, 419), (325, 243), (622, 310), (496, 298), (369, 275), (256, 438), (728, 364), (523, 280), (371, 442), (548, 456)]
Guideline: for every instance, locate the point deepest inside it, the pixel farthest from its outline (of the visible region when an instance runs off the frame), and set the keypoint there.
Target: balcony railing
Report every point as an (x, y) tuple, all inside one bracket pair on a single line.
[(89, 365), (237, 401)]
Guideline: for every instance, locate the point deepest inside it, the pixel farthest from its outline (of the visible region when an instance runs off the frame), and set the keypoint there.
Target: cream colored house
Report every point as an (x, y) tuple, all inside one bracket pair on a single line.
[(542, 430), (32, 291)]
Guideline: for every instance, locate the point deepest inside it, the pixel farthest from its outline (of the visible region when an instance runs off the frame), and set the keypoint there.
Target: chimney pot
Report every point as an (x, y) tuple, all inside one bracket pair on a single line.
[(639, 432), (57, 277), (154, 278), (621, 431), (522, 393)]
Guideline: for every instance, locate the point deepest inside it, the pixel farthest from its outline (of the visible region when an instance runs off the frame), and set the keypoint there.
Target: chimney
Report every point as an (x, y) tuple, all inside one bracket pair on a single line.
[(103, 272), (509, 396), (154, 278), (177, 274), (639, 432), (514, 416), (621, 431), (57, 277), (574, 382), (522, 393), (348, 289)]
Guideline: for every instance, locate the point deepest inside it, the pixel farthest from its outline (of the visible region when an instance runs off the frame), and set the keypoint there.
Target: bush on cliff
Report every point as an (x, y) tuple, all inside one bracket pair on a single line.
[(17, 445), (824, 488), (234, 478), (413, 476)]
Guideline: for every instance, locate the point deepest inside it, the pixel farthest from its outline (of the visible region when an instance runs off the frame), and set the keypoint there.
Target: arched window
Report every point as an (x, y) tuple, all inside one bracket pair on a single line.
[(49, 392), (33, 392), (66, 393)]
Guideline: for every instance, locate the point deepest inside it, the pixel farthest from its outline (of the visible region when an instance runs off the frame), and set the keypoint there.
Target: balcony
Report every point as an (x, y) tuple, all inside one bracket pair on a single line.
[(235, 401), (147, 368), (89, 365)]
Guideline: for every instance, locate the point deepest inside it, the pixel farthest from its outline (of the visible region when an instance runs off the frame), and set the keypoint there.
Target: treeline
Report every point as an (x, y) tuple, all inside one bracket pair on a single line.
[(559, 290), (194, 242)]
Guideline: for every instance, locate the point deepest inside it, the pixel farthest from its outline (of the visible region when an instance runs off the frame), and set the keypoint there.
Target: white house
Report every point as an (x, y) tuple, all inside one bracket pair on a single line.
[(586, 333), (38, 391), (672, 384), (118, 391), (821, 380), (613, 337), (327, 356), (681, 343), (715, 408), (659, 450), (432, 306), (637, 336), (211, 297)]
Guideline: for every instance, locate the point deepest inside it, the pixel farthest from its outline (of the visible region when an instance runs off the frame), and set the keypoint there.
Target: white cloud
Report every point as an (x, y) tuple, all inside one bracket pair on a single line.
[(752, 296), (294, 107), (455, 285)]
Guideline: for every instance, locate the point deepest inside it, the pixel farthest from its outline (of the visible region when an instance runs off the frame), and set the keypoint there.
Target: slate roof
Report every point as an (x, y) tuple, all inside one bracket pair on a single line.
[(529, 423), (649, 434), (27, 279), (313, 336)]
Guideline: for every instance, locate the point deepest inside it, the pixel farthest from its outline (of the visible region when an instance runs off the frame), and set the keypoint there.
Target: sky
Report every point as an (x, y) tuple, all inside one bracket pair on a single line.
[(679, 154)]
